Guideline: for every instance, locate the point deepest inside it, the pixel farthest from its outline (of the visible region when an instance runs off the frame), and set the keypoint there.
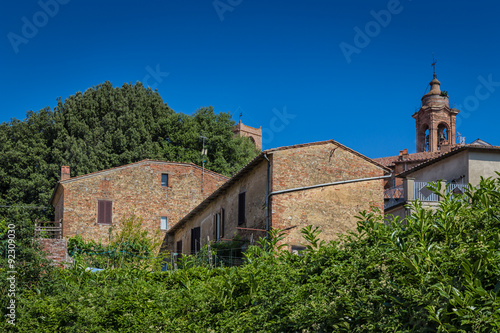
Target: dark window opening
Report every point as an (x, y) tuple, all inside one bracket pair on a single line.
[(195, 240), (298, 249), (219, 225), (179, 248), (241, 208), (104, 211), (164, 180)]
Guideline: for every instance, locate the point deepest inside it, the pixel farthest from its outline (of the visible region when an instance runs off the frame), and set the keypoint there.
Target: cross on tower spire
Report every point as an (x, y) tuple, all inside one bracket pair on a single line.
[(434, 61)]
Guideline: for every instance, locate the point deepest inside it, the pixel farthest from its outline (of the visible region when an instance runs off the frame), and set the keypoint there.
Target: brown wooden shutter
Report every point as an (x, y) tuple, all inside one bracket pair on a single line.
[(109, 212), (100, 211), (104, 211), (215, 227), (221, 233)]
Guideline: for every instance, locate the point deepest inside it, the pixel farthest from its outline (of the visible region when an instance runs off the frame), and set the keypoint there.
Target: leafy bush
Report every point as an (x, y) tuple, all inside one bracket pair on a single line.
[(129, 245), (437, 271)]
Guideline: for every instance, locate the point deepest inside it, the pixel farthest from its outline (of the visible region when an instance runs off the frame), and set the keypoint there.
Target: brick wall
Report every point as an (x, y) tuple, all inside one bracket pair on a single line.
[(332, 208), (133, 189), (254, 185), (56, 250)]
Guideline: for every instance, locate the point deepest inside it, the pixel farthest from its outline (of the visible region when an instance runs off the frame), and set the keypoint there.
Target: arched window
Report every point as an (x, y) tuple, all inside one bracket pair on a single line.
[(442, 134), (425, 138)]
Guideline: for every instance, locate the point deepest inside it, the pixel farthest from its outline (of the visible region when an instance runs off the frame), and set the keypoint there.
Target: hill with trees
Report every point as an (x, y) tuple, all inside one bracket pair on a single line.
[(105, 127)]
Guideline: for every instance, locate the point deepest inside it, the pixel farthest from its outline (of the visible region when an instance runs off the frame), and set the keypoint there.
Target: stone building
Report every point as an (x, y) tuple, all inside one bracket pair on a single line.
[(255, 134), (159, 192), (324, 184)]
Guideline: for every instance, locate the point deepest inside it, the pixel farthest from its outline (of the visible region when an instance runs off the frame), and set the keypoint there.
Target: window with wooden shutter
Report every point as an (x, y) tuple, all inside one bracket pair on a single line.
[(104, 211), (241, 208)]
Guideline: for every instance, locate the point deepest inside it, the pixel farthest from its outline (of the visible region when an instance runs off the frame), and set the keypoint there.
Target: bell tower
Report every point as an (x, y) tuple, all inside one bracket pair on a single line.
[(435, 121)]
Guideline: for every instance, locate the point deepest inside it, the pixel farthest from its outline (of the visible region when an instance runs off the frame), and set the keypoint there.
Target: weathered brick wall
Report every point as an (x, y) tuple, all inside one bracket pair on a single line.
[(56, 250), (134, 189), (333, 208), (254, 184)]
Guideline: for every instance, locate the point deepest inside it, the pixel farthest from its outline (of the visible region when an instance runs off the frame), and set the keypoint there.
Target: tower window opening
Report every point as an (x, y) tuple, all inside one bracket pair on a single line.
[(442, 134), (426, 138)]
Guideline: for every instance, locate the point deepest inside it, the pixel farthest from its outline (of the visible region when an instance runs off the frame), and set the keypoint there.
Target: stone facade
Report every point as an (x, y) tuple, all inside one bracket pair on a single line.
[(132, 189), (300, 194)]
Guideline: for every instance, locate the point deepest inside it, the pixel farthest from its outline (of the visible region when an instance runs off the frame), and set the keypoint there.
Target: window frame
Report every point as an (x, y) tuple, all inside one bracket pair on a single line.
[(161, 222), (167, 180), (242, 208), (104, 211)]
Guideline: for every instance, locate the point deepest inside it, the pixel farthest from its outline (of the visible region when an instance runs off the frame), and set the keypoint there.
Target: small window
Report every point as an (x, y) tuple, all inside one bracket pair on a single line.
[(104, 211), (179, 248), (164, 180), (241, 208), (298, 250), (219, 225), (164, 223)]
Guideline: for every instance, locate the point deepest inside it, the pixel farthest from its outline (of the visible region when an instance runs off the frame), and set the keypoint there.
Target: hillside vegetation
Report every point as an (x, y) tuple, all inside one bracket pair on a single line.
[(437, 272), (104, 127)]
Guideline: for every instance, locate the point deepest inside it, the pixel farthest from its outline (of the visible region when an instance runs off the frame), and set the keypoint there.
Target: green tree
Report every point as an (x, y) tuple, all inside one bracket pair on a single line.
[(105, 127)]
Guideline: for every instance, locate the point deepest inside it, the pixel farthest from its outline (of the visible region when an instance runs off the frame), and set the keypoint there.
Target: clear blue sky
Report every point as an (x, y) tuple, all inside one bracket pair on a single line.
[(280, 63)]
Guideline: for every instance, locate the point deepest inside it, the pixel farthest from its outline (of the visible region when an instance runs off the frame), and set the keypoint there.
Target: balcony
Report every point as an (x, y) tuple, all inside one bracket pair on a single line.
[(50, 230), (393, 196), (419, 190)]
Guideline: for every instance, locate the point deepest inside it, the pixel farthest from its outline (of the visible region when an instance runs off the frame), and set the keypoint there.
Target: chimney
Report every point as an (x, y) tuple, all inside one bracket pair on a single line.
[(65, 172)]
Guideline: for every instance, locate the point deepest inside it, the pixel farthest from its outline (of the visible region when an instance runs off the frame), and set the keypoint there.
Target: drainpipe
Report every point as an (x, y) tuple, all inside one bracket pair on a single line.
[(328, 184), (267, 194)]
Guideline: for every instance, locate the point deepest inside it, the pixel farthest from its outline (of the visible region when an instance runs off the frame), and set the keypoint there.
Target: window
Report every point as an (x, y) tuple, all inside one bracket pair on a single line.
[(195, 240), (164, 180), (179, 248), (104, 211), (241, 208), (163, 223), (219, 225), (298, 250)]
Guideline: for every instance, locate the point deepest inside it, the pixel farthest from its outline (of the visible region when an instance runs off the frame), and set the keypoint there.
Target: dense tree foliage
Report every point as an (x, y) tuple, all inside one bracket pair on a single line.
[(105, 127), (437, 272)]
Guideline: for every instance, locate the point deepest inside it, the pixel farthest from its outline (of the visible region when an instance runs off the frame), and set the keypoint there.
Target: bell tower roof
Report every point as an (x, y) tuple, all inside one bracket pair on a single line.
[(435, 97), (435, 86)]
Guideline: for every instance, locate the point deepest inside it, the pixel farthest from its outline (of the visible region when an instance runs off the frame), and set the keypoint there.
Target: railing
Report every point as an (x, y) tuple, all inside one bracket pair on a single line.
[(48, 229), (422, 193), (393, 196), (456, 189)]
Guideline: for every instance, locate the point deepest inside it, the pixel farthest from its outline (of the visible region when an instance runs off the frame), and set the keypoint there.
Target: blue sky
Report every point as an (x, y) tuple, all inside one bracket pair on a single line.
[(280, 63)]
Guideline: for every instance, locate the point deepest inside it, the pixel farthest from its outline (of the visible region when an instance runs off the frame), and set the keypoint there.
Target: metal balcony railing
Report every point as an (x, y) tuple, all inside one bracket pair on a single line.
[(423, 193), (393, 196), (48, 229)]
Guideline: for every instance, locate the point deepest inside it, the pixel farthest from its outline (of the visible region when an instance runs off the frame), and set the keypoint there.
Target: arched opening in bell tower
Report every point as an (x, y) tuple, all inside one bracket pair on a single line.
[(424, 138), (442, 134)]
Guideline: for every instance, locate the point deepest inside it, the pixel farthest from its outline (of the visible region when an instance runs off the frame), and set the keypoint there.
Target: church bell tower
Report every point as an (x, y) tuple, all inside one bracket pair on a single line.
[(435, 121)]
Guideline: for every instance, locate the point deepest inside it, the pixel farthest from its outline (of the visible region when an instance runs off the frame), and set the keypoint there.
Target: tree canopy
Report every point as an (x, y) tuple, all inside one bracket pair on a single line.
[(105, 127)]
